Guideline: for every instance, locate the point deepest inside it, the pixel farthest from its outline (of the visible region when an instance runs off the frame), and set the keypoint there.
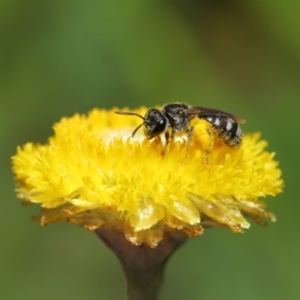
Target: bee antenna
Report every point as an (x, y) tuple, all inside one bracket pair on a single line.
[(132, 114), (135, 130), (129, 114)]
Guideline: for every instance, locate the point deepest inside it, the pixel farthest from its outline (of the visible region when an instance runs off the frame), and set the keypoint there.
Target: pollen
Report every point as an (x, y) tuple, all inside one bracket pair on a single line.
[(93, 173)]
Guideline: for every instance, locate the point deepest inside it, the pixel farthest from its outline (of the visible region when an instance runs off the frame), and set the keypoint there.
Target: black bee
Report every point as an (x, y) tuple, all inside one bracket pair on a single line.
[(176, 118)]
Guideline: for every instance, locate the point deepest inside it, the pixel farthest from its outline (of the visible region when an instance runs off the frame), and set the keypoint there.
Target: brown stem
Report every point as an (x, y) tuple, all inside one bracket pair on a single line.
[(143, 266)]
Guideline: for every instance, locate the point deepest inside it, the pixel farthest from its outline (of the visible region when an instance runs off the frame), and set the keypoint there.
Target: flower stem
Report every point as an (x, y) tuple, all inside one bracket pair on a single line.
[(143, 266)]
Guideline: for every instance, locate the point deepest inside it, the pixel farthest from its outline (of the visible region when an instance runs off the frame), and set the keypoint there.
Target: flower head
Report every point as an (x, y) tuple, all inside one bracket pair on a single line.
[(93, 173)]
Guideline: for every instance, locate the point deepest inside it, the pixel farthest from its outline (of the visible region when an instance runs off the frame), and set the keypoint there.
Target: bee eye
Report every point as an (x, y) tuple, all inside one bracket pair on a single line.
[(159, 127)]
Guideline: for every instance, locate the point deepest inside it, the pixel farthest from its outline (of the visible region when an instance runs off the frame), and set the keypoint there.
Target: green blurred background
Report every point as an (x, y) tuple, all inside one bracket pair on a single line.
[(62, 57)]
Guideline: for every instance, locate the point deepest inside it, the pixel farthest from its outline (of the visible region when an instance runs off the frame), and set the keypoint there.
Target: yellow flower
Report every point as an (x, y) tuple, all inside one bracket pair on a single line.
[(93, 173)]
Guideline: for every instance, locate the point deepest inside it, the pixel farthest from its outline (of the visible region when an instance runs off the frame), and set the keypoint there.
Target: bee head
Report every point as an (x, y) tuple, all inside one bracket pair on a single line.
[(154, 122)]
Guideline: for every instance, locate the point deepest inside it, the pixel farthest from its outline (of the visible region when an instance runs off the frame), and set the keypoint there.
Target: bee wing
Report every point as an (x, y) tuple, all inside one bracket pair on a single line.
[(211, 112)]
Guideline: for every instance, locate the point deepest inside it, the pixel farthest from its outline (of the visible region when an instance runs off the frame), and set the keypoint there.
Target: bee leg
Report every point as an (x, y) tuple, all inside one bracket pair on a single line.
[(209, 146), (167, 137), (189, 137), (202, 137), (167, 140)]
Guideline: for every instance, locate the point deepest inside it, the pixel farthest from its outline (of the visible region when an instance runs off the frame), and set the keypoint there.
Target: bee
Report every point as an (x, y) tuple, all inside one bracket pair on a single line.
[(178, 118)]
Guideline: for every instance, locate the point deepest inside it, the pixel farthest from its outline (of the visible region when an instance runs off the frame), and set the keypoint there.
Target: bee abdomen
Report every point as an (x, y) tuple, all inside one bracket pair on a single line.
[(227, 128)]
